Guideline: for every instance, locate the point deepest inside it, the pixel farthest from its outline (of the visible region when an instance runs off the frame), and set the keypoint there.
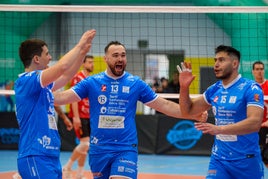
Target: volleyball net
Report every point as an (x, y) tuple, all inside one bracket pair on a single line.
[(157, 38)]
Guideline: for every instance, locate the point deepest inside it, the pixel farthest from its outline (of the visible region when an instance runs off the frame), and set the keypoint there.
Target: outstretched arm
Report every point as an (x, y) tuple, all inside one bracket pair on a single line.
[(251, 124), (68, 65), (76, 118), (172, 109), (65, 97), (189, 106)]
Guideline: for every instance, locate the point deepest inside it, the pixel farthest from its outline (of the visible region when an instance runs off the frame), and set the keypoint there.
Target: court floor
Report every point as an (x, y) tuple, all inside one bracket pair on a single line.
[(149, 166)]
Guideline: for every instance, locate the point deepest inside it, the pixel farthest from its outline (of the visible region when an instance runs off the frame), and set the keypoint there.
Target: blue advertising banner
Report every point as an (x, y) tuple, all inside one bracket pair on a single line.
[(157, 134)]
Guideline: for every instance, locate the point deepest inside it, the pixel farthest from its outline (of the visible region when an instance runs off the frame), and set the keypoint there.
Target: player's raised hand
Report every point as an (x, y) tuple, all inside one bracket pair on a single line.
[(86, 40), (186, 76)]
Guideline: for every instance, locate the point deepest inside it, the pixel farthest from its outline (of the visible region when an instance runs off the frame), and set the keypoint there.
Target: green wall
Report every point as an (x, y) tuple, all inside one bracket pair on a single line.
[(249, 34), (15, 27)]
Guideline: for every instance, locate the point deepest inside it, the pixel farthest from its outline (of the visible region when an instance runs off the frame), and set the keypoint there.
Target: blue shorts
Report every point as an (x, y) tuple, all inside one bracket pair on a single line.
[(41, 167), (247, 168), (122, 164)]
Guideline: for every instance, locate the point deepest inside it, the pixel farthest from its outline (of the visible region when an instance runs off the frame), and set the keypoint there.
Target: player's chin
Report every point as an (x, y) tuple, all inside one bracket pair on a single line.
[(218, 76), (119, 71), (216, 72)]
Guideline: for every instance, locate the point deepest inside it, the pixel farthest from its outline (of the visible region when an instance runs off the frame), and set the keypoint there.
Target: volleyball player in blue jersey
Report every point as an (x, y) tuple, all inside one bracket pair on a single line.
[(39, 144), (237, 104), (113, 97)]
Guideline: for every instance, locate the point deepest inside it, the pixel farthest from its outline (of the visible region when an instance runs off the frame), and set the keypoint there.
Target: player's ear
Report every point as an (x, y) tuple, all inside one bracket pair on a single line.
[(36, 59), (236, 63), (105, 58)]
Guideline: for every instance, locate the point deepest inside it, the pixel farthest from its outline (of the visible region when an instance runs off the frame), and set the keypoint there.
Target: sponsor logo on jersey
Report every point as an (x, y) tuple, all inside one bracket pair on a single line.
[(257, 97), (103, 88)]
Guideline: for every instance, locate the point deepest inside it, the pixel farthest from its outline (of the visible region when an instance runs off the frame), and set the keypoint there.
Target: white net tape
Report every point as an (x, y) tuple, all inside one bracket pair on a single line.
[(135, 9), (164, 95)]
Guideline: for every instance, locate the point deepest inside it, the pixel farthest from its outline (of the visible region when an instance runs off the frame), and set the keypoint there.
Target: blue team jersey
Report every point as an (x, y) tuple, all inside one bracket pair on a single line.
[(113, 105), (36, 117), (229, 105)]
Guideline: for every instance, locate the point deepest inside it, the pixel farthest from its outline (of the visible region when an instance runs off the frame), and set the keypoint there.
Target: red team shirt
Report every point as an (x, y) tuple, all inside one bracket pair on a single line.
[(264, 87), (83, 105)]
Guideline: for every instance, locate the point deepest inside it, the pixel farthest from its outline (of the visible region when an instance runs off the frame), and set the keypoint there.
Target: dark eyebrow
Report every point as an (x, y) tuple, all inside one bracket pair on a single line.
[(123, 53), (220, 58)]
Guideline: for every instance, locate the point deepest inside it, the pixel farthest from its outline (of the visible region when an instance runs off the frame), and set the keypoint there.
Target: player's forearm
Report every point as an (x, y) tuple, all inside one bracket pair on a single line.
[(64, 69), (63, 116), (65, 97), (71, 62), (75, 110), (185, 101), (60, 113), (67, 75), (240, 128)]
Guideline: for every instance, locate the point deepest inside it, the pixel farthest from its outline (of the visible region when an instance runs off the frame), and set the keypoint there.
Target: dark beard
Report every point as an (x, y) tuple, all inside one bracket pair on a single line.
[(88, 70), (117, 73), (224, 76)]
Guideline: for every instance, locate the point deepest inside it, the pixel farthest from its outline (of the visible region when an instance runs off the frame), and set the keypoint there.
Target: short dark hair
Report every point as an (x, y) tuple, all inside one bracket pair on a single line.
[(229, 50), (112, 43), (88, 56), (259, 63), (29, 48)]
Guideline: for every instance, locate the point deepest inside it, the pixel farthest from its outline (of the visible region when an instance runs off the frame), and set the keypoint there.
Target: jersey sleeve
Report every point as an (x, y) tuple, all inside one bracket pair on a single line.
[(146, 93), (255, 95), (81, 88), (209, 92)]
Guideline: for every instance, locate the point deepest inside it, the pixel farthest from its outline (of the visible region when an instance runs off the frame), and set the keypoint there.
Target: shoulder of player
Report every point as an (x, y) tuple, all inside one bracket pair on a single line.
[(265, 83), (132, 78), (251, 84)]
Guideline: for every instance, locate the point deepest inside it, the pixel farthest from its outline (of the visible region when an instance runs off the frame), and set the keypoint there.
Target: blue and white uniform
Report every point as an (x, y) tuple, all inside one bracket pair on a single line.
[(39, 137), (229, 106), (113, 104)]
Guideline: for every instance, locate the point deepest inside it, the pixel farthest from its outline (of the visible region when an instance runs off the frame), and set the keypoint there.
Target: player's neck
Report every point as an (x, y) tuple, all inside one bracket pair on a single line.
[(231, 79), (86, 72), (31, 68), (260, 80)]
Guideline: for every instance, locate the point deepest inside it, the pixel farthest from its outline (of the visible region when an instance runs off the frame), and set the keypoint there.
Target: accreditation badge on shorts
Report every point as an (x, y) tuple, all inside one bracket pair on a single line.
[(111, 122)]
